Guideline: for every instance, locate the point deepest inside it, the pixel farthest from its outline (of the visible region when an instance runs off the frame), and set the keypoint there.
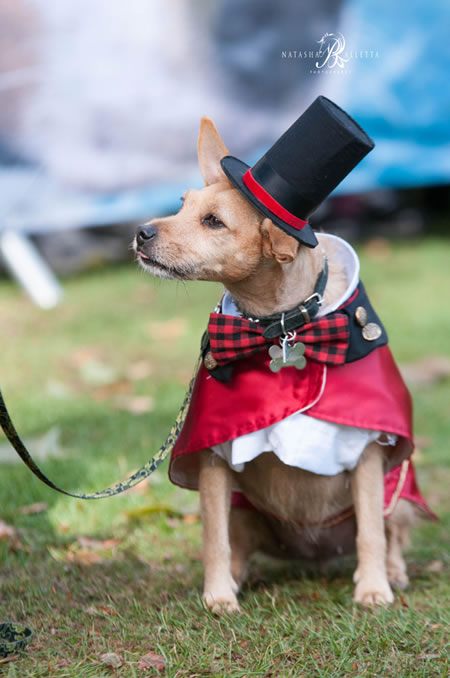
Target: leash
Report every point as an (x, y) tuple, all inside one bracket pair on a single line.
[(8, 427), (15, 637)]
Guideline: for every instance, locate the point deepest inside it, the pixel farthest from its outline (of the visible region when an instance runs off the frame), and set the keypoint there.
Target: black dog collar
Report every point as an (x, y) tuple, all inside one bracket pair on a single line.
[(279, 324)]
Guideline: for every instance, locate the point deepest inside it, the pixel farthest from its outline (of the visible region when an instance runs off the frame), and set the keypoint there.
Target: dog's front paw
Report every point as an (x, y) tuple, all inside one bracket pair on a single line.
[(220, 602), (372, 591)]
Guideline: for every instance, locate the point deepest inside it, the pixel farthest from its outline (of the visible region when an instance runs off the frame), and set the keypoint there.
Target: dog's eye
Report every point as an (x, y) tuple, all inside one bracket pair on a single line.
[(212, 222)]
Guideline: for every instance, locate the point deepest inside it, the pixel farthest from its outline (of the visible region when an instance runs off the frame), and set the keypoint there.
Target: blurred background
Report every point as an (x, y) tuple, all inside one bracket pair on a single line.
[(100, 103), (100, 106)]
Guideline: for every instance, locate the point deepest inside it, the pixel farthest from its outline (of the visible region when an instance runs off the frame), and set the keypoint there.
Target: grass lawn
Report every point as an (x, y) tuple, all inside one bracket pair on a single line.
[(98, 382)]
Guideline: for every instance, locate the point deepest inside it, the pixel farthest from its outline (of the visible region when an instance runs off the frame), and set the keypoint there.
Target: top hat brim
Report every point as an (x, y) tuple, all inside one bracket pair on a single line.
[(234, 170)]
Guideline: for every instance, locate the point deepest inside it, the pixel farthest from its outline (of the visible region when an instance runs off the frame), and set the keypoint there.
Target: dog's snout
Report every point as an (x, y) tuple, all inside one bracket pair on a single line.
[(145, 233)]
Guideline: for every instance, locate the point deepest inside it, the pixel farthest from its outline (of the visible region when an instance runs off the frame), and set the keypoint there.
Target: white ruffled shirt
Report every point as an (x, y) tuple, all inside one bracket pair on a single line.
[(299, 440)]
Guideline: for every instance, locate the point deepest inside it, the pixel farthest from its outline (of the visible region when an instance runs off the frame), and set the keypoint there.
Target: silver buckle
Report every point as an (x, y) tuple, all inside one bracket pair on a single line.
[(317, 296)]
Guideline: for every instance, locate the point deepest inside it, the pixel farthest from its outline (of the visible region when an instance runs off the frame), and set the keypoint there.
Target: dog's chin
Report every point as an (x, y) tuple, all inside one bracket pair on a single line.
[(160, 270)]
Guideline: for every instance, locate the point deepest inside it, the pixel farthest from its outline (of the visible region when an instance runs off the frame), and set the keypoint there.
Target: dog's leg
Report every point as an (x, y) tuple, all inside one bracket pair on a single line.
[(242, 542), (215, 496), (397, 532), (248, 533), (372, 586)]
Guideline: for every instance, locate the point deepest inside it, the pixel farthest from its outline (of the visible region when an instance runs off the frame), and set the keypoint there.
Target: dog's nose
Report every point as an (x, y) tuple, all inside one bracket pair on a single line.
[(145, 233)]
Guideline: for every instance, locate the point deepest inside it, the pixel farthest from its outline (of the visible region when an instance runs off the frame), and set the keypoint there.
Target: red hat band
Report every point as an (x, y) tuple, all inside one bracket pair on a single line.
[(270, 203)]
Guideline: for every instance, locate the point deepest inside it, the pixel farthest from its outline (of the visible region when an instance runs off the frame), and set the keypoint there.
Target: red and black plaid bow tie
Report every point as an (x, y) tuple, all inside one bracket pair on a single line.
[(326, 339)]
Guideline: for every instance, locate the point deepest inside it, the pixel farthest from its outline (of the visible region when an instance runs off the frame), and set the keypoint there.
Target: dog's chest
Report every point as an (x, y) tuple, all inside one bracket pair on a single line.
[(309, 515), (292, 494)]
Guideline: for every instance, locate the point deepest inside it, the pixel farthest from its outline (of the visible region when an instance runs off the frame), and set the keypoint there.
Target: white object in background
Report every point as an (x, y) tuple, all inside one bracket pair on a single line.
[(27, 266)]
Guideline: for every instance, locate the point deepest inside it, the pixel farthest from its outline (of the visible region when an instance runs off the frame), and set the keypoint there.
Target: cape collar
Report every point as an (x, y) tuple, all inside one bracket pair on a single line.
[(344, 253)]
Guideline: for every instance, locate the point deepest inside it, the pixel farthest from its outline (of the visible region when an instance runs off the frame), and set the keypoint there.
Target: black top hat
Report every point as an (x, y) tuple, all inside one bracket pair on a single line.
[(302, 167)]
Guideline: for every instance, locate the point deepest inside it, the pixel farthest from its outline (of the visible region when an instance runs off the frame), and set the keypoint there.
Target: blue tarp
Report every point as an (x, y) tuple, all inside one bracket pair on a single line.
[(402, 97)]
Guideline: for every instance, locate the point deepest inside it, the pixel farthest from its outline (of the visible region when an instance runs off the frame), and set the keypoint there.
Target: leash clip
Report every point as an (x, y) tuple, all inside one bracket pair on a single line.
[(286, 343)]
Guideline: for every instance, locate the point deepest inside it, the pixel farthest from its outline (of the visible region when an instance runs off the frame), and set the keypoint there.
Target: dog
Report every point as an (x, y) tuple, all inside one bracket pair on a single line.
[(218, 235)]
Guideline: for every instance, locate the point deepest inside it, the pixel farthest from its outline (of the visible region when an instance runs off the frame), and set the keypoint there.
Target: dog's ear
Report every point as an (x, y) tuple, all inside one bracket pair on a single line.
[(211, 150), (278, 244)]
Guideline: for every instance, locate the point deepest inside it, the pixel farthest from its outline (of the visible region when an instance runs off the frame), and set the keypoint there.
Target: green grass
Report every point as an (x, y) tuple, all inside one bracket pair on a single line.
[(141, 593)]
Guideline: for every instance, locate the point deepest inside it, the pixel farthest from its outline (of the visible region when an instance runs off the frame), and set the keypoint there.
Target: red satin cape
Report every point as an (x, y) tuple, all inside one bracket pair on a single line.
[(368, 393)]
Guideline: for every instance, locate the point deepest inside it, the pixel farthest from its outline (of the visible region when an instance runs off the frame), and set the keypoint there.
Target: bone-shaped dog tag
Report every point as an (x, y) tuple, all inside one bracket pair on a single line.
[(275, 352), (294, 357)]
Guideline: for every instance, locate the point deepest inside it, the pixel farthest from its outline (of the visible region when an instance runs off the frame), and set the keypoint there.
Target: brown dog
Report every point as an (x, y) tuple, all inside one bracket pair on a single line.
[(217, 235)]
